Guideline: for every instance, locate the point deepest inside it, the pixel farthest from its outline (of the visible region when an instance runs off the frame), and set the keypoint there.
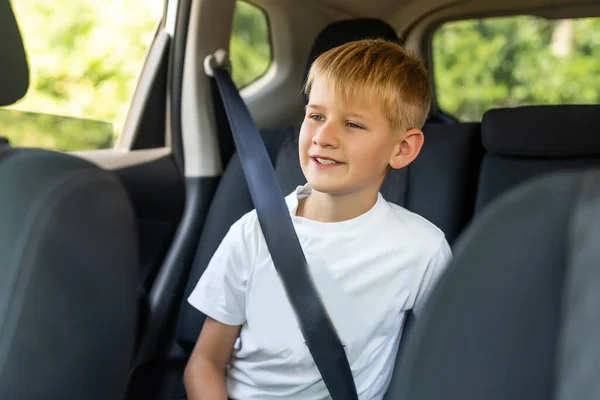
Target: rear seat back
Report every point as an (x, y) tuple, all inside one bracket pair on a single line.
[(442, 181), (524, 142)]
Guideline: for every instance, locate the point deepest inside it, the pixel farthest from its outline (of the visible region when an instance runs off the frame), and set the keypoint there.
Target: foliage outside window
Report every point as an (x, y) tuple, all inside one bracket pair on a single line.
[(84, 58), (250, 44), (504, 62)]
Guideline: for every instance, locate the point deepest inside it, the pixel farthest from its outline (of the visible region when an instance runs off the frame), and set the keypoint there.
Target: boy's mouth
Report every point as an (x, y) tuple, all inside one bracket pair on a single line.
[(324, 161)]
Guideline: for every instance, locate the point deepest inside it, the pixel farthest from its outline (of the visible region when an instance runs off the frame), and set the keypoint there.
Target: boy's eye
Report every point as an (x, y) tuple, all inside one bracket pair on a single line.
[(316, 117), (353, 125)]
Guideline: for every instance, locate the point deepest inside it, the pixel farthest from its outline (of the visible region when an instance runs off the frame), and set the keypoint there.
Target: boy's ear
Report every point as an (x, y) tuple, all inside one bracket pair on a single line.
[(407, 148)]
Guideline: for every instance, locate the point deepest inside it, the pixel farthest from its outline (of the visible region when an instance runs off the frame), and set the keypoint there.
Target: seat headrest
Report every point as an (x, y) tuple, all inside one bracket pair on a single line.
[(340, 32), (542, 131), (14, 72)]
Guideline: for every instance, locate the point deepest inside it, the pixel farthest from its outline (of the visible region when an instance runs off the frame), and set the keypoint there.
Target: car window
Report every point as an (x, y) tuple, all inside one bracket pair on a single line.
[(480, 64), (84, 59), (250, 45)]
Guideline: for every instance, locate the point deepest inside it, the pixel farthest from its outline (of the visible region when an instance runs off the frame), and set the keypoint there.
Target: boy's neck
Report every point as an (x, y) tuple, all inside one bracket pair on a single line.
[(323, 207)]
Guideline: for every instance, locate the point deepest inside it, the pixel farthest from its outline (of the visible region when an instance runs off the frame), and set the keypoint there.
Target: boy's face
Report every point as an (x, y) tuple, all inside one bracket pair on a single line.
[(345, 147)]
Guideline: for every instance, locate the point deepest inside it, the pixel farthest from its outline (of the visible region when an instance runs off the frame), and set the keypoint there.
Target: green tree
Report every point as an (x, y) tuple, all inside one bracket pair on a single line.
[(505, 62), (84, 61), (85, 58), (250, 45)]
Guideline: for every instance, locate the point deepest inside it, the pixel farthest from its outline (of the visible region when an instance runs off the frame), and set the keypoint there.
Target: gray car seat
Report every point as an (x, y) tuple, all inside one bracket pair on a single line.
[(525, 142), (517, 314), (68, 265)]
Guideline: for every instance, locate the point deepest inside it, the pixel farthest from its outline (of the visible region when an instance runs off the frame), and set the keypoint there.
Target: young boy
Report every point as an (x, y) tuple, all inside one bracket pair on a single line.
[(372, 261)]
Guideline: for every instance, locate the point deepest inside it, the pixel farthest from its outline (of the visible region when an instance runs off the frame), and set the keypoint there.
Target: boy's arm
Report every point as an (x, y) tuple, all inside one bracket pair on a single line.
[(220, 295), (437, 265), (204, 376)]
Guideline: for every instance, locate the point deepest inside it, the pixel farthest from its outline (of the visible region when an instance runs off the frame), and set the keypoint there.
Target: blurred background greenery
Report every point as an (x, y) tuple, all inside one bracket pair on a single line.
[(55, 131), (85, 58), (511, 61), (250, 46)]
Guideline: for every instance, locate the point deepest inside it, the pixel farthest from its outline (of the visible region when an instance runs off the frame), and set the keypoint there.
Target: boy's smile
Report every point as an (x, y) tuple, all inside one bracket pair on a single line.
[(324, 162)]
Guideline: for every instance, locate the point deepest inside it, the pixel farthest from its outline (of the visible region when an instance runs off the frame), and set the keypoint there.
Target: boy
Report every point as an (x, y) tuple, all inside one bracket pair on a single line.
[(371, 261)]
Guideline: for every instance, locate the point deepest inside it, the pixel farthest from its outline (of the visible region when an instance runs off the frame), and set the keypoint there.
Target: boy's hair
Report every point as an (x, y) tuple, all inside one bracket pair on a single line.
[(381, 70)]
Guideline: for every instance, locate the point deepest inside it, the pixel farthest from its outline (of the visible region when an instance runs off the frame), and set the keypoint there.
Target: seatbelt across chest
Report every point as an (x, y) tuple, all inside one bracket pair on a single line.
[(275, 221)]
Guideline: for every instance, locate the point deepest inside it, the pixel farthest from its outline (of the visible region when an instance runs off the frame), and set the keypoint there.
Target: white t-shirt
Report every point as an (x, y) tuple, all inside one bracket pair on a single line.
[(368, 270)]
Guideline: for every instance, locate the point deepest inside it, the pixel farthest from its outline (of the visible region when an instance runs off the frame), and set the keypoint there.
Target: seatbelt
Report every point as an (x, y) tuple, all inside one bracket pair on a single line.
[(317, 328)]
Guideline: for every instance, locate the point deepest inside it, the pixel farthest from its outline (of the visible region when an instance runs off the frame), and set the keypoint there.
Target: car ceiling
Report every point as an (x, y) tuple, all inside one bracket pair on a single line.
[(373, 8), (397, 11)]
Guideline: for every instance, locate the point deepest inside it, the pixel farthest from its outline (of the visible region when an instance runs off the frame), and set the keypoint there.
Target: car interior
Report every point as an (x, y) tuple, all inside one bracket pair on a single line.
[(100, 249)]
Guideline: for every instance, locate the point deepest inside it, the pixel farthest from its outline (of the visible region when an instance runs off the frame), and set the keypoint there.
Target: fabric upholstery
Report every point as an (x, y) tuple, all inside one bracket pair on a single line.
[(340, 32), (578, 355), (14, 71), (442, 180), (68, 279), (7, 151), (492, 327), (542, 131), (287, 165), (525, 142), (499, 174)]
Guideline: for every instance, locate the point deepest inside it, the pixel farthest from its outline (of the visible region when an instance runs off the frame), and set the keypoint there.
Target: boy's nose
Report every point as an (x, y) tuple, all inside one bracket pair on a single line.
[(326, 136)]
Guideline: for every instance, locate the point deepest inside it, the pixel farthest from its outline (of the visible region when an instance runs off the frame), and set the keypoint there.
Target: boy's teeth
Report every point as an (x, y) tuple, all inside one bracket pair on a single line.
[(325, 161)]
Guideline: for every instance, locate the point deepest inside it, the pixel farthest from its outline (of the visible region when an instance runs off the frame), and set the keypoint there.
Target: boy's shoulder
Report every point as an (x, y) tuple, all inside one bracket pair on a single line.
[(244, 235), (250, 219), (246, 224), (413, 227)]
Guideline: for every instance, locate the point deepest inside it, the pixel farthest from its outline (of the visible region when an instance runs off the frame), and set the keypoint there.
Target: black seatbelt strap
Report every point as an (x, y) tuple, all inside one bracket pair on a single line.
[(317, 328)]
